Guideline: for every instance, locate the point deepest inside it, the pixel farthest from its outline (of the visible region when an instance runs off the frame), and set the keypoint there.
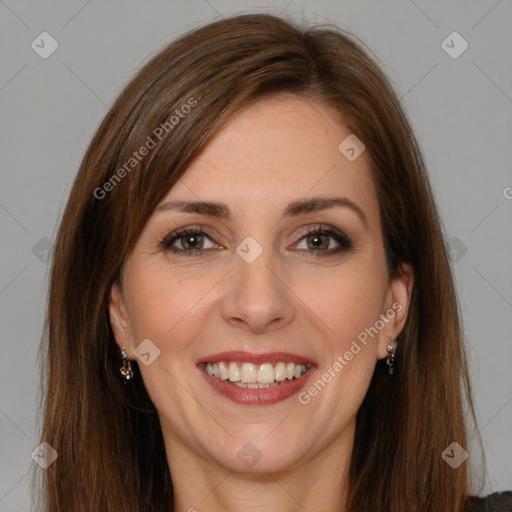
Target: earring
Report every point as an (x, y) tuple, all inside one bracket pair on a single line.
[(126, 368), (390, 361)]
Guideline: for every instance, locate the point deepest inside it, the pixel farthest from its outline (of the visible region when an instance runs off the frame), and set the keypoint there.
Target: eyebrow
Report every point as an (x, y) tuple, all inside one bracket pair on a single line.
[(294, 209)]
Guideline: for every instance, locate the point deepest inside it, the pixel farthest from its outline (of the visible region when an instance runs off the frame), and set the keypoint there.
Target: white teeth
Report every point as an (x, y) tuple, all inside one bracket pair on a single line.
[(250, 375), (255, 385), (233, 372), (223, 371), (280, 372), (265, 374)]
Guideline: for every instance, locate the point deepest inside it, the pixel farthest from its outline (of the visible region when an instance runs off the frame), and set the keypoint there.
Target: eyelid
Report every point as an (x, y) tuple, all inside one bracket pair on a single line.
[(343, 240), (167, 239)]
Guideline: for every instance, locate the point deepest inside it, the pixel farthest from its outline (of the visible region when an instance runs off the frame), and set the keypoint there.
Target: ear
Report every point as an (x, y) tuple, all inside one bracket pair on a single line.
[(119, 320), (396, 307)]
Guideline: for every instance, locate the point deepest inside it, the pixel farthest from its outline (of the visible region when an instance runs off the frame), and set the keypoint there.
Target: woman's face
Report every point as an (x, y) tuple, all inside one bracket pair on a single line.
[(261, 289)]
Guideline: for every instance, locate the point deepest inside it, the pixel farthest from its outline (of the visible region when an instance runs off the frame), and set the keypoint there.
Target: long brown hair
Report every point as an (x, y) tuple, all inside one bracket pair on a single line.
[(110, 447)]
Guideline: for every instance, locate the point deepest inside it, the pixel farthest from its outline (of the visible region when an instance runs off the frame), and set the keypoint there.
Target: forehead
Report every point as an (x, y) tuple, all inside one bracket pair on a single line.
[(276, 151)]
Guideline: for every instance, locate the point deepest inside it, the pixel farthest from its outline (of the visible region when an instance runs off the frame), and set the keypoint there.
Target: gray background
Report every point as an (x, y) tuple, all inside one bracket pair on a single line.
[(460, 108)]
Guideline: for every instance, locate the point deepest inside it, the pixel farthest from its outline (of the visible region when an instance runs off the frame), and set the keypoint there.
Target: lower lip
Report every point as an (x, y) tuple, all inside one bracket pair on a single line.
[(264, 396)]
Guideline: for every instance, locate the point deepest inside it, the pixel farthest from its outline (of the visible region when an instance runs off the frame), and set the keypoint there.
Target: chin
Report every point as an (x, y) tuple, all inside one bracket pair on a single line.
[(261, 453)]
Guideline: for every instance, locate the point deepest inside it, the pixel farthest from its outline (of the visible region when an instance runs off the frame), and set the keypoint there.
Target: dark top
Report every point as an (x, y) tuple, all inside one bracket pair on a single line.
[(496, 502)]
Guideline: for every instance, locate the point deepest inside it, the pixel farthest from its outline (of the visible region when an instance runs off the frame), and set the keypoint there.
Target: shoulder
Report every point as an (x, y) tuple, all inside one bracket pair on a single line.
[(496, 502)]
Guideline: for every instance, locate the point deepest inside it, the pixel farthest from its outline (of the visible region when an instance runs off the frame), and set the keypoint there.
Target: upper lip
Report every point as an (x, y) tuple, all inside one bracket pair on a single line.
[(256, 358)]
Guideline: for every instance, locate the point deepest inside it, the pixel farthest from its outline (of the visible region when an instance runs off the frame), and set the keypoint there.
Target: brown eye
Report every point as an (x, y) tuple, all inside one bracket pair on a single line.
[(318, 241), (187, 241)]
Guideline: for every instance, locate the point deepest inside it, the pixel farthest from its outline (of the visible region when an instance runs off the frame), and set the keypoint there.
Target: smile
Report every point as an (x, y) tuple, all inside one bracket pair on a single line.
[(248, 378), (255, 376)]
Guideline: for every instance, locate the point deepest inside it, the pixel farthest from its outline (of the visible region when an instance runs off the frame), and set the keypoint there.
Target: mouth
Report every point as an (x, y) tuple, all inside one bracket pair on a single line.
[(256, 376), (256, 379)]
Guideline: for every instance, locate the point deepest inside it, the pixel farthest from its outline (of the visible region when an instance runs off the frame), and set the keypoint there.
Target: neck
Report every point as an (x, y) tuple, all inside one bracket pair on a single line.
[(318, 483)]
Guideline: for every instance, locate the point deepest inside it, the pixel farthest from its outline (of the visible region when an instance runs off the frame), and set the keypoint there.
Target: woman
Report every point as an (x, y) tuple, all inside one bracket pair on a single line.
[(251, 304)]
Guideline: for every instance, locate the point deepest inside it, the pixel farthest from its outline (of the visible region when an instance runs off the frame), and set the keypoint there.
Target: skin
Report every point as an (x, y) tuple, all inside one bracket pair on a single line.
[(276, 151)]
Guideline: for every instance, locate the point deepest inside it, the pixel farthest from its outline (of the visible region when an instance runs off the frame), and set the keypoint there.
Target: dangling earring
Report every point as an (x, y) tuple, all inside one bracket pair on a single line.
[(390, 361), (126, 368)]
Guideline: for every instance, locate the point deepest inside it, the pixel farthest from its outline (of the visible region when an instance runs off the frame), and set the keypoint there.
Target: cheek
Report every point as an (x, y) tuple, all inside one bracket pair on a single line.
[(345, 300), (353, 306), (162, 305), (348, 302)]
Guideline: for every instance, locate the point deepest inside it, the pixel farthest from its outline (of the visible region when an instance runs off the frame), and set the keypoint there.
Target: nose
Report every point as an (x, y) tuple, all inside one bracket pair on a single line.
[(258, 297)]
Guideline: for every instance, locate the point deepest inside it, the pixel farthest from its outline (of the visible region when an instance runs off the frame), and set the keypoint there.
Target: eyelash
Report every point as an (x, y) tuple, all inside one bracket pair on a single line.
[(343, 240)]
